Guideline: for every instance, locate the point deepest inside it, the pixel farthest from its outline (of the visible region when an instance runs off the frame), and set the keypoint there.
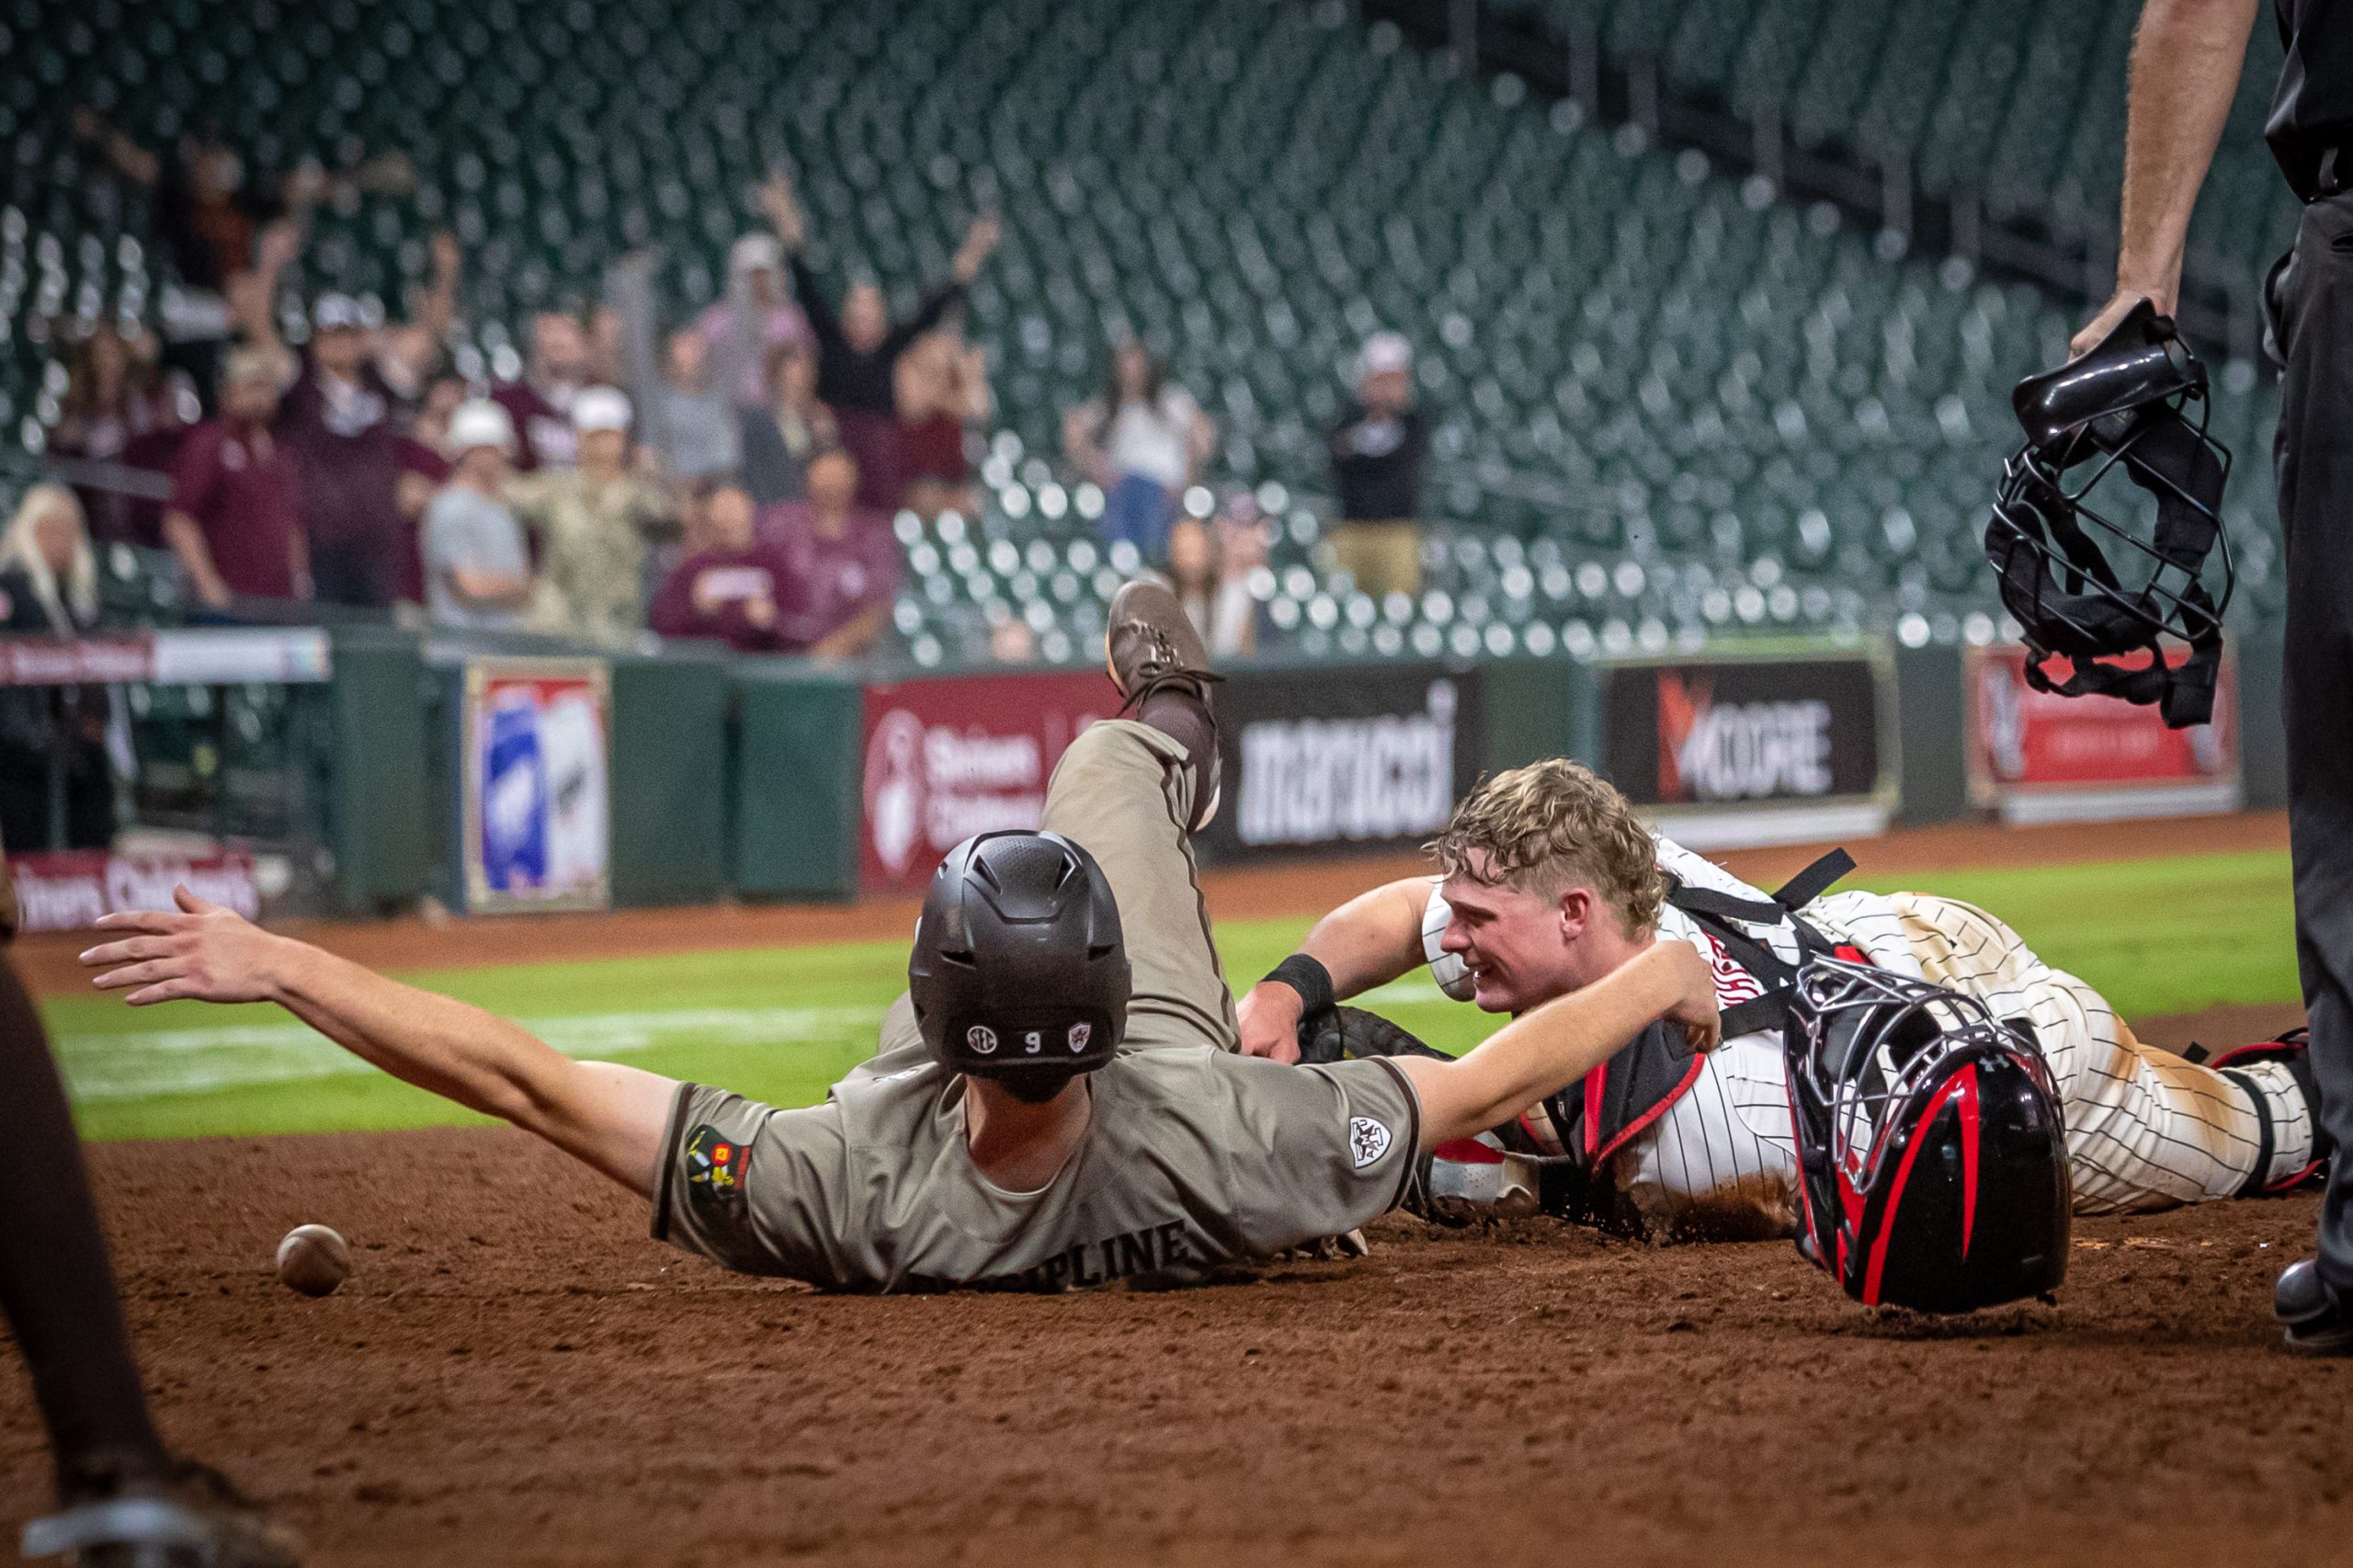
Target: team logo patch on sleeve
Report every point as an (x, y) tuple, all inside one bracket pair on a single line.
[(1367, 1140), (716, 1163)]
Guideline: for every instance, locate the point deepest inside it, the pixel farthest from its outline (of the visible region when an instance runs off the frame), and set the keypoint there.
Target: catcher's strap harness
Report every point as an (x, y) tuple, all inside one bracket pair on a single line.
[(2293, 1051), (1714, 913)]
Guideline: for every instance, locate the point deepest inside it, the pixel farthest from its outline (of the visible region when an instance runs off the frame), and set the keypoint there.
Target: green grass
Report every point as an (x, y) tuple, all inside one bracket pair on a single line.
[(2157, 936)]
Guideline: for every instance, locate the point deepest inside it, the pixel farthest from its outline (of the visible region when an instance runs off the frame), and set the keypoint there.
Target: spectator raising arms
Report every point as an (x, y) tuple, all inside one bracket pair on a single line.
[(726, 591), (236, 517), (756, 319), (688, 423), (1378, 449), (477, 573), (49, 588), (859, 348), (115, 412), (1141, 442), (780, 436), (593, 523), (539, 405), (839, 560), (943, 392)]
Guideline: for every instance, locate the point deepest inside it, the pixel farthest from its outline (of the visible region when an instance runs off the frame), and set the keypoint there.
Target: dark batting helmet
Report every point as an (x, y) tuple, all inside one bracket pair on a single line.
[(1019, 972), (2098, 586), (1932, 1152)]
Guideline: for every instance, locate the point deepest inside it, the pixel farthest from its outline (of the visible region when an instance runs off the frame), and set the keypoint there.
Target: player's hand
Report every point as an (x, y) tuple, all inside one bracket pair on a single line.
[(2121, 301), (204, 952), (1269, 1020), (1694, 1009)]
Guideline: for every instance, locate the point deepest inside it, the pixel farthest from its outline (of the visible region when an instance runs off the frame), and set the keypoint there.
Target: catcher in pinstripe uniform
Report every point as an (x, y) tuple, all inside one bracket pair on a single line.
[(1548, 881)]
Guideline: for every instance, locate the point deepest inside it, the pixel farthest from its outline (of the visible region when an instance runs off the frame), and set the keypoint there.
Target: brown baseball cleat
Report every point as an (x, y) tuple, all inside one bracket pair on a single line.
[(1150, 644), (1150, 649)]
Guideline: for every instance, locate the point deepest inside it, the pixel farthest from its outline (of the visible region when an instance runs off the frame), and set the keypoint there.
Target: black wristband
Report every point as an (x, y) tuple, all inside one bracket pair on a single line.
[(1310, 979)]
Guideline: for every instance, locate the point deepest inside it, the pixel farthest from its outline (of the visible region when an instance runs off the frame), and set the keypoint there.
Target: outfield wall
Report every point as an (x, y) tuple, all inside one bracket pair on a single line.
[(498, 774)]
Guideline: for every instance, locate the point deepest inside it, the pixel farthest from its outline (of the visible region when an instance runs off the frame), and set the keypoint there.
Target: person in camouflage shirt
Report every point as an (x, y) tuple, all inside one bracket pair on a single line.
[(592, 524)]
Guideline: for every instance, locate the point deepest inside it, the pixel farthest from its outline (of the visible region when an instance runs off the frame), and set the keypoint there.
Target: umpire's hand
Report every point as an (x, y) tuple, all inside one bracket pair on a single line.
[(205, 952), (1269, 1018)]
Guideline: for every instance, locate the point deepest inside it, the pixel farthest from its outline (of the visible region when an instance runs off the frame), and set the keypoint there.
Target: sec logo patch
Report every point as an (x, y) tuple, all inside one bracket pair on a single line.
[(1367, 1140)]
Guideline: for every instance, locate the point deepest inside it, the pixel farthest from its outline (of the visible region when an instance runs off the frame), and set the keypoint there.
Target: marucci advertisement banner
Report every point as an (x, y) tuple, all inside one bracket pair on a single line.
[(2038, 756), (1340, 758), (1744, 750), (950, 757)]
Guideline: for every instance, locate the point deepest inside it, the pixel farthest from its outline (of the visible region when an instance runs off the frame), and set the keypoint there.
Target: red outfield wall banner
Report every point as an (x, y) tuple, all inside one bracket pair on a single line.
[(2036, 756), (65, 889), (961, 755)]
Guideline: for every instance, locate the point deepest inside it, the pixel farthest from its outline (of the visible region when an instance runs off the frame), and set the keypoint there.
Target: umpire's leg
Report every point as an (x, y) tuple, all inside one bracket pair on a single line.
[(2313, 318), (1124, 790)]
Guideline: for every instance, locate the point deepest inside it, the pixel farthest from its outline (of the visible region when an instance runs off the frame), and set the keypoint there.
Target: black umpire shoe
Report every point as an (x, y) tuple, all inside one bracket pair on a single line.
[(190, 1517), (2319, 1322), (1149, 647)]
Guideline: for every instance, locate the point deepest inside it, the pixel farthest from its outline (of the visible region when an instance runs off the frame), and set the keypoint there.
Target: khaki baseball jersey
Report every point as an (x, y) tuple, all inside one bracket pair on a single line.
[(1194, 1156)]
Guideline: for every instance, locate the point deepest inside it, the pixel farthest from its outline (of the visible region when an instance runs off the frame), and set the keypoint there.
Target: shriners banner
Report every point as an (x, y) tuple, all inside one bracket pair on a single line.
[(949, 757), (1746, 749), (1341, 757), (2038, 756)]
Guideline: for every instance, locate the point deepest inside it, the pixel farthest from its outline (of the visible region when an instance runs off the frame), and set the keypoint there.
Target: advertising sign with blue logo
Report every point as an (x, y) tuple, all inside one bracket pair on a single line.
[(538, 828)]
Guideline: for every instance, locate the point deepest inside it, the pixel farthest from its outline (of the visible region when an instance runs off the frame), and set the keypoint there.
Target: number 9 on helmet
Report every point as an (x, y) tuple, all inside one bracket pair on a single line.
[(1018, 973)]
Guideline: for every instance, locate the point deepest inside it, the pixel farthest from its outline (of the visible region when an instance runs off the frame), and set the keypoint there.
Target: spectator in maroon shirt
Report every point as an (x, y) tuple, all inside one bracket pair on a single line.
[(728, 590), (236, 518), (117, 411), (540, 403), (340, 420), (839, 563)]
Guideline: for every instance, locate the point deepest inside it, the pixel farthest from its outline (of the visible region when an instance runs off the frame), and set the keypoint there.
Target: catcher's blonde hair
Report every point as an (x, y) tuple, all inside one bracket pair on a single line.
[(1552, 825)]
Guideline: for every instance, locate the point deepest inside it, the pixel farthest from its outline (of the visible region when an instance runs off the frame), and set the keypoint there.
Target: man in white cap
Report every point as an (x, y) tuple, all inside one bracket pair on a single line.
[(594, 523), (1378, 450), (756, 317), (477, 573)]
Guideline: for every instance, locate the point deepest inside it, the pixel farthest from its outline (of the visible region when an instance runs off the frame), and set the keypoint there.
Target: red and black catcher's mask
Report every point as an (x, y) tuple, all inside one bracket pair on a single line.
[(1930, 1144), (1019, 971), (2103, 581)]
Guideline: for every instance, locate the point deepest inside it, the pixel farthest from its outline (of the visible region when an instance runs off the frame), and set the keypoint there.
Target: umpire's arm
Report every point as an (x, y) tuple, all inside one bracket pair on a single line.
[(609, 1115), (1544, 1050), (2186, 60), (1368, 942)]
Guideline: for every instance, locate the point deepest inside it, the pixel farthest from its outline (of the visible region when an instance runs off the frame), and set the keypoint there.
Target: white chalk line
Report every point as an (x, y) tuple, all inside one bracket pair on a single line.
[(133, 1064)]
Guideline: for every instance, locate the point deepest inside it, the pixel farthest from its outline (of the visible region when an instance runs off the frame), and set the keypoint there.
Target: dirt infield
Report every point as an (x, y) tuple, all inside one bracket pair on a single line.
[(1307, 887), (515, 1375)]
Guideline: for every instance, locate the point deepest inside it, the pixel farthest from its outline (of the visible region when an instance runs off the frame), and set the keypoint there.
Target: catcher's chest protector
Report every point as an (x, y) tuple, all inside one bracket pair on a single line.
[(1930, 1143)]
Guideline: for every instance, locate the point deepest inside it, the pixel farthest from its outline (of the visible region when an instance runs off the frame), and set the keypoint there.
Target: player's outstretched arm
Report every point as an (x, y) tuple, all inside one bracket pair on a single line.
[(610, 1116), (1368, 942), (1546, 1049)]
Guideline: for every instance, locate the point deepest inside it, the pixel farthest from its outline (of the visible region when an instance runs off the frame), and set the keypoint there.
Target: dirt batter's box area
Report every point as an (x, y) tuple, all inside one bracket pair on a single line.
[(516, 1375)]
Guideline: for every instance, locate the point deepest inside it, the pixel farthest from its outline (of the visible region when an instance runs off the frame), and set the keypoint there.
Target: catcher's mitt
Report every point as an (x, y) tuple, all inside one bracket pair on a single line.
[(1349, 1034)]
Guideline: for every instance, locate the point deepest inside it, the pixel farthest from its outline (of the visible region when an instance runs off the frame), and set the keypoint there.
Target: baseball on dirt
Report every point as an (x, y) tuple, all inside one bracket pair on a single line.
[(313, 1260)]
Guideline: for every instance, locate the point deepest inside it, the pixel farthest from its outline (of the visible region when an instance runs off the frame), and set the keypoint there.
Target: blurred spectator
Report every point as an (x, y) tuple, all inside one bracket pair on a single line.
[(685, 421), (49, 588), (341, 422), (209, 219), (727, 589), (236, 518), (409, 354), (1141, 443), (477, 571), (839, 561), (1210, 568), (756, 319), (858, 349), (1378, 450), (783, 433), (539, 405), (1012, 642), (943, 390), (425, 468), (115, 412), (592, 523)]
